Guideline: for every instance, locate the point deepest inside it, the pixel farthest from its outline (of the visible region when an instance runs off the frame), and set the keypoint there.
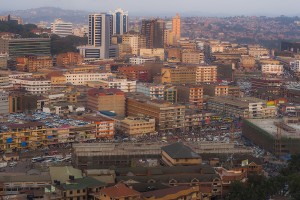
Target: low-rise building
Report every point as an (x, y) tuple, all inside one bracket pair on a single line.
[(150, 53), (121, 84), (81, 188), (3, 61), (106, 100), (170, 94), (105, 127), (193, 57), (191, 95), (247, 107), (68, 59), (178, 75), (83, 78), (152, 90), (206, 74), (140, 60), (247, 61), (167, 116), (4, 102), (136, 126), (14, 185), (33, 86), (136, 73), (179, 154), (119, 191), (177, 192), (28, 135), (33, 63), (216, 90), (272, 69)]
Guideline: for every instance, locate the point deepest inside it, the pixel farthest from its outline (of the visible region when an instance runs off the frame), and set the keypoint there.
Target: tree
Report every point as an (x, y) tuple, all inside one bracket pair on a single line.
[(66, 44)]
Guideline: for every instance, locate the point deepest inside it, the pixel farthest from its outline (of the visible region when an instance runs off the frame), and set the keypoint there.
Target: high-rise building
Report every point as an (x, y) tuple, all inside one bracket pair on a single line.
[(154, 31), (176, 28), (120, 21), (99, 38), (100, 29), (61, 28)]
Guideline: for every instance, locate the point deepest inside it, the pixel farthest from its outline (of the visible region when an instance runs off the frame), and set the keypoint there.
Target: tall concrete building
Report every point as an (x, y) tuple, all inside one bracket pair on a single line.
[(154, 31), (99, 38), (120, 21), (61, 28), (176, 28)]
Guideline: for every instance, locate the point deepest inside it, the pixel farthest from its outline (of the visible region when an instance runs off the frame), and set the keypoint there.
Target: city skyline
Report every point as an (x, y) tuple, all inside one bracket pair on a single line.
[(155, 7)]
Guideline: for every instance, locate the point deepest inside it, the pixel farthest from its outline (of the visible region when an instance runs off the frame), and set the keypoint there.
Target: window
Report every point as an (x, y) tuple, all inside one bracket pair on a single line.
[(78, 191), (71, 192)]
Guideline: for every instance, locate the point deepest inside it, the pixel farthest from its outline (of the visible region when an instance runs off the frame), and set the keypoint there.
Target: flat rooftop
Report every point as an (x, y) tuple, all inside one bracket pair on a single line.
[(269, 126)]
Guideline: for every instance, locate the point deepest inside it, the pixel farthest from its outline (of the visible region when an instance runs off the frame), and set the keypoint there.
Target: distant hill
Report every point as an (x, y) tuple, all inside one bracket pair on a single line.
[(49, 14)]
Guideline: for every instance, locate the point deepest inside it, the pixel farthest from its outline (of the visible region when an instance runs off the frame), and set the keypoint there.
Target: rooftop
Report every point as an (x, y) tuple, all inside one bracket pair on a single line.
[(167, 191), (81, 183), (118, 191), (269, 125), (179, 151)]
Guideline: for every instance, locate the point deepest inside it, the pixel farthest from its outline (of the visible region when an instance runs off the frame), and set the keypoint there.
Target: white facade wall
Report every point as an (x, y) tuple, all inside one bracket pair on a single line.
[(152, 91), (139, 61), (61, 28), (121, 84), (272, 69), (33, 86), (81, 79)]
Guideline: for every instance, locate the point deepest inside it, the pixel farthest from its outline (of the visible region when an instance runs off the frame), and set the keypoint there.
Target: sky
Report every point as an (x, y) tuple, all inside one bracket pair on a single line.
[(166, 7)]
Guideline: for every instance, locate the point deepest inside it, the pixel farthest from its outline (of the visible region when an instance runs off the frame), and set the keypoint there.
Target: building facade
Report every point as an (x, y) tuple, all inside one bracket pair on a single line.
[(206, 74), (120, 21), (25, 46), (106, 100), (61, 28), (179, 75), (4, 103), (121, 84), (136, 126), (83, 78), (167, 116)]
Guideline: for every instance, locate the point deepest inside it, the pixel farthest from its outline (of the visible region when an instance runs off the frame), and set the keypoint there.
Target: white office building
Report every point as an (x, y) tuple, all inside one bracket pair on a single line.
[(121, 84), (82, 79), (61, 28), (33, 86)]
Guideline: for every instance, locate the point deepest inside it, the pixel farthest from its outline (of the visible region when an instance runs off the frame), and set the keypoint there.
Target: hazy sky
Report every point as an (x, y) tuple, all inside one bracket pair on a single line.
[(161, 7)]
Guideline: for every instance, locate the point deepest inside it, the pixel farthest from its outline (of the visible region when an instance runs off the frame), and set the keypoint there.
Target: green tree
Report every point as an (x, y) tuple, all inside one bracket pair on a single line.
[(66, 44)]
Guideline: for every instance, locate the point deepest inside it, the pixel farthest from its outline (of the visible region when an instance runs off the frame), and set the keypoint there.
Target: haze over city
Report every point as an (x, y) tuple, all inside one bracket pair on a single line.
[(167, 7), (150, 100)]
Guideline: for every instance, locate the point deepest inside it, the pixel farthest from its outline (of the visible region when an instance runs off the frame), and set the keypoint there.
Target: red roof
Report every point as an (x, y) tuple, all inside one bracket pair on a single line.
[(118, 191)]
